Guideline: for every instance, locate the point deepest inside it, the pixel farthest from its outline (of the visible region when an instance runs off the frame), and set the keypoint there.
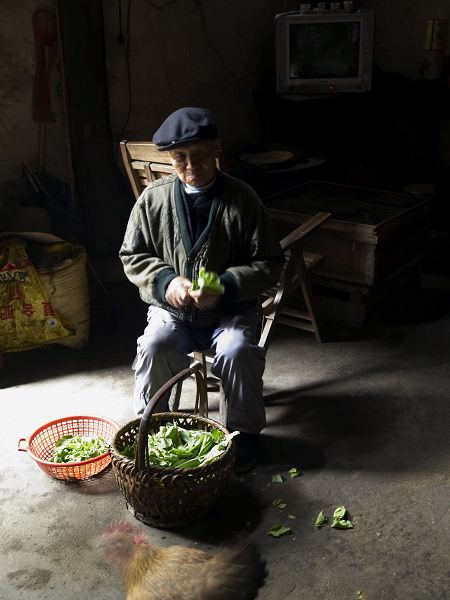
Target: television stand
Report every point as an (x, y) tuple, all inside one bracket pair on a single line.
[(304, 97)]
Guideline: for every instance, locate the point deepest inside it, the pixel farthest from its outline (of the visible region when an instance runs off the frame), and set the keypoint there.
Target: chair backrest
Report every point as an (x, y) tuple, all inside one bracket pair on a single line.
[(144, 163)]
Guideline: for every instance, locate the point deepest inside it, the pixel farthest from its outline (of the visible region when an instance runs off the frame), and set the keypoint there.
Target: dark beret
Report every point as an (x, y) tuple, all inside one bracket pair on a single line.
[(185, 126)]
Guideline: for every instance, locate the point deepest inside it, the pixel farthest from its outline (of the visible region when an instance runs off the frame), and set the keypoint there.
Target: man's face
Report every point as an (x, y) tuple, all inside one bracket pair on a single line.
[(195, 164)]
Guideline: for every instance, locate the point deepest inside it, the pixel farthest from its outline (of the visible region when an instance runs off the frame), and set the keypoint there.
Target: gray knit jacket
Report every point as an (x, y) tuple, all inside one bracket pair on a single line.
[(238, 243)]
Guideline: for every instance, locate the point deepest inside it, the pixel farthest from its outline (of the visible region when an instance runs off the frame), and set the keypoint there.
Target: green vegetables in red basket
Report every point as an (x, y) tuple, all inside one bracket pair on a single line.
[(76, 448), (174, 446), (209, 282)]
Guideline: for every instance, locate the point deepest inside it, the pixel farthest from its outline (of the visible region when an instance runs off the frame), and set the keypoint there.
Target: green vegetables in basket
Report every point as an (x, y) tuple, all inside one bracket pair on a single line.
[(209, 282), (76, 448), (174, 446)]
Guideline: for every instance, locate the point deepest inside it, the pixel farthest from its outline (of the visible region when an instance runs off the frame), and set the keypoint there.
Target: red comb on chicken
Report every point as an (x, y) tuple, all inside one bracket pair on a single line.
[(236, 572)]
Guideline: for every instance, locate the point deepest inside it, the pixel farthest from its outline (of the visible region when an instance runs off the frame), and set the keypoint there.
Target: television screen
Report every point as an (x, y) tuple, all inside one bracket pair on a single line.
[(324, 50), (323, 53)]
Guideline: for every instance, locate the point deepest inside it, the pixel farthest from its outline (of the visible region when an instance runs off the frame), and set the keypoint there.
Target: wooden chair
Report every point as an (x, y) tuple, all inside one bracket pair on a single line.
[(278, 304), (144, 164)]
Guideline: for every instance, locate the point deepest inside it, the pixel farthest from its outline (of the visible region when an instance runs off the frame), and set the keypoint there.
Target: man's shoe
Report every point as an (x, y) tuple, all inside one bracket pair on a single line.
[(247, 452)]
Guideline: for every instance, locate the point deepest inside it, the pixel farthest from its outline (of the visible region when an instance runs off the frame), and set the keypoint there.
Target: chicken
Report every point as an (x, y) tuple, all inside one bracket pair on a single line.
[(236, 572)]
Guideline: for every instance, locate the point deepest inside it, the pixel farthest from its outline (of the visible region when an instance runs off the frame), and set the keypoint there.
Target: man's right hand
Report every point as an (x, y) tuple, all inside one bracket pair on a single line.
[(177, 293)]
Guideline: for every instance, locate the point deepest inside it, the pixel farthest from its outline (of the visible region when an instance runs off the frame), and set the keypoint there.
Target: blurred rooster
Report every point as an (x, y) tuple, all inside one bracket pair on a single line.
[(236, 572)]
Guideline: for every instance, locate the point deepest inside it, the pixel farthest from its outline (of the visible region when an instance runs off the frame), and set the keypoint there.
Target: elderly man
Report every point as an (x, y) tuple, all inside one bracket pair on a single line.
[(201, 217)]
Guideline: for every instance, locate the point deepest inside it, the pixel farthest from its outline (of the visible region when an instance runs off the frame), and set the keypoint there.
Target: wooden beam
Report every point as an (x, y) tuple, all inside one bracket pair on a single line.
[(99, 184)]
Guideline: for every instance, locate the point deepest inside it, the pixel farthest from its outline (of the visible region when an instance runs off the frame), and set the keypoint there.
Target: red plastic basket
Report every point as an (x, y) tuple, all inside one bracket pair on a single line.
[(39, 445)]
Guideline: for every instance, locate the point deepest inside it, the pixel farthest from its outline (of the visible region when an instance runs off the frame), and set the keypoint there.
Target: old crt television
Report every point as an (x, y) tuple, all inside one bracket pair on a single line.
[(323, 53)]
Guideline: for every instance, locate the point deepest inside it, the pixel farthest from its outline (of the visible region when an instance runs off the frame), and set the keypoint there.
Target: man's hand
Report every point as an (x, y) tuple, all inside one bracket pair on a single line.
[(203, 300), (177, 293)]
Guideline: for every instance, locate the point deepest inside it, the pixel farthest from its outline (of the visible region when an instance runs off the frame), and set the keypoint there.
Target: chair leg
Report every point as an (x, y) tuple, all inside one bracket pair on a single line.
[(223, 407), (175, 395), (310, 301), (201, 357), (270, 320)]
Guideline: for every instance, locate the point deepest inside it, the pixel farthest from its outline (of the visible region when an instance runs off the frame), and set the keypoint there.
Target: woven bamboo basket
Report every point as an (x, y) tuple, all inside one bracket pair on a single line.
[(169, 497)]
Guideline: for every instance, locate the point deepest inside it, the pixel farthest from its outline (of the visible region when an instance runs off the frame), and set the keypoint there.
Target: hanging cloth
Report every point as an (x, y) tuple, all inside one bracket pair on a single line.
[(45, 35)]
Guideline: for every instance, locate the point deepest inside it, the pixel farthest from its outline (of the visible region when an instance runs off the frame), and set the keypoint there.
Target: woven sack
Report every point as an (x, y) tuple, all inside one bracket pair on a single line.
[(27, 317), (165, 496), (68, 290)]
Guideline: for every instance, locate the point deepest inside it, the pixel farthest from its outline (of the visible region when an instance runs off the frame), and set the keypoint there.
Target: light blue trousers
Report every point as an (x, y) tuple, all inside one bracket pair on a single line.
[(162, 352)]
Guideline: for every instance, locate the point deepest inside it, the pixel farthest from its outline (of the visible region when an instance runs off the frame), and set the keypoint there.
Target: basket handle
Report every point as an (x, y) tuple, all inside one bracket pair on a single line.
[(196, 370), (23, 449)]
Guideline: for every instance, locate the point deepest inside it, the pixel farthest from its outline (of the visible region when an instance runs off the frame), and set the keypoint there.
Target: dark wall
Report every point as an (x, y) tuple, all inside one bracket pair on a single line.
[(159, 55)]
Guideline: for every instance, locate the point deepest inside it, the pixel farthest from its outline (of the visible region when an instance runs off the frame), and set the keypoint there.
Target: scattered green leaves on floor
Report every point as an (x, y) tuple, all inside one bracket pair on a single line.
[(342, 524), (338, 519), (339, 522), (280, 505), (278, 531), (321, 520)]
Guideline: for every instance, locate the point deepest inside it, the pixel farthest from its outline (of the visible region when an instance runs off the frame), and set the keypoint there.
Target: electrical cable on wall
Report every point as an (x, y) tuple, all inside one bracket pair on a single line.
[(122, 40), (200, 6)]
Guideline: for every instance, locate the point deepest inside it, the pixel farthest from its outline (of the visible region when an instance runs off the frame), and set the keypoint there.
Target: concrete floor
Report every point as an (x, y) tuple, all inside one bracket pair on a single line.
[(365, 418)]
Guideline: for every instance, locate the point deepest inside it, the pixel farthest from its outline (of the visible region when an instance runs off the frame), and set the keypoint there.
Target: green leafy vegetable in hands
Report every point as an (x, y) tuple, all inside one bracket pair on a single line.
[(278, 531), (321, 520), (209, 282), (173, 446), (76, 448)]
